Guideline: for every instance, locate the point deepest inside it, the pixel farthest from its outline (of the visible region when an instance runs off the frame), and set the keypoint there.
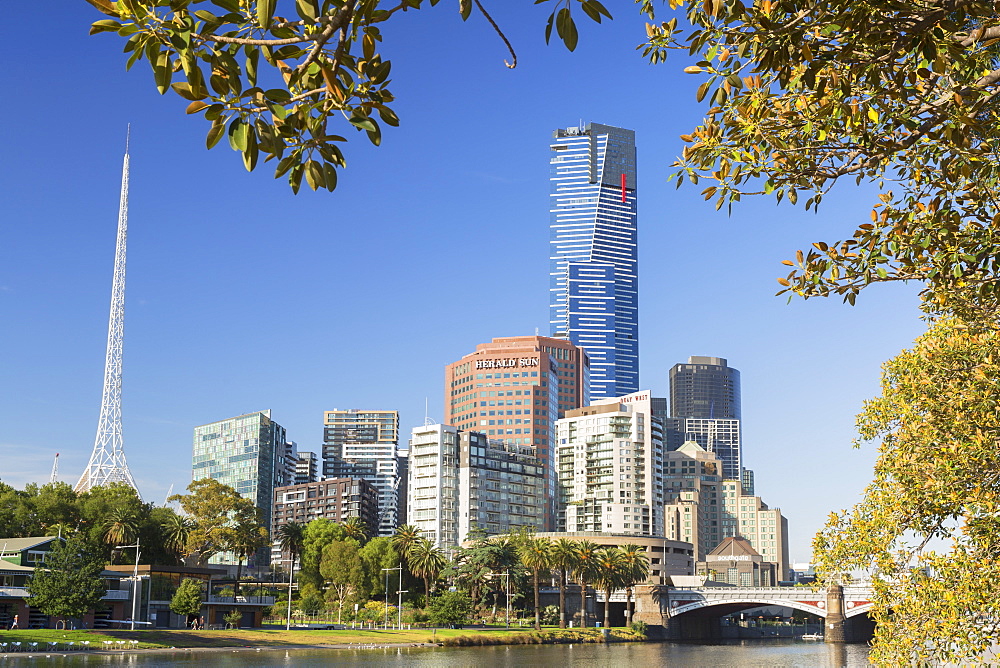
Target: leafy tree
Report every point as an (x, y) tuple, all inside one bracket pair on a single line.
[(343, 572), (536, 556), (70, 584), (474, 566), (247, 535), (277, 78), (564, 561), (427, 561), (217, 511), (121, 526), (317, 535), (451, 608), (926, 530), (609, 575), (310, 599), (804, 93), (187, 599), (376, 554)]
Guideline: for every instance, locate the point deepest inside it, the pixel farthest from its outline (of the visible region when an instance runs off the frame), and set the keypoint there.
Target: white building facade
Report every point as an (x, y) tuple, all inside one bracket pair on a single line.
[(610, 458)]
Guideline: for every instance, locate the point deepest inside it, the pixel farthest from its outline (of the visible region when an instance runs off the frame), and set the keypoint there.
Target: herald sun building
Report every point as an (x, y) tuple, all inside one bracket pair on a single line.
[(514, 389)]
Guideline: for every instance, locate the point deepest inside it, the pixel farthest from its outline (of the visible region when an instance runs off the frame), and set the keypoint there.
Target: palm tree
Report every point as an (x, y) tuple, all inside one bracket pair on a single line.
[(609, 572), (635, 570), (291, 538), (245, 537), (536, 555), (176, 530), (355, 528), (427, 562), (406, 536), (564, 560), (586, 557), (120, 527)]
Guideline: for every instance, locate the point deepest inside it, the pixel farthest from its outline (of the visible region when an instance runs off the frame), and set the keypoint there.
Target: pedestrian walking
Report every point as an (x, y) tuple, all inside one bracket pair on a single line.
[(14, 625)]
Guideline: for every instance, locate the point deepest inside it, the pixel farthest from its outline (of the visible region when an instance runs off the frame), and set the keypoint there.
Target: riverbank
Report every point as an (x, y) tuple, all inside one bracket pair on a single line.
[(253, 639)]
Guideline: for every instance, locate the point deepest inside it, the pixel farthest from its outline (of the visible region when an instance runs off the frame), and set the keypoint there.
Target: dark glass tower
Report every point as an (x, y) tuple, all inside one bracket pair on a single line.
[(705, 387)]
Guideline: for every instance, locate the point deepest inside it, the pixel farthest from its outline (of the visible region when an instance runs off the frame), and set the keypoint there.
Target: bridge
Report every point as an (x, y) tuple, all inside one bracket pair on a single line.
[(694, 613)]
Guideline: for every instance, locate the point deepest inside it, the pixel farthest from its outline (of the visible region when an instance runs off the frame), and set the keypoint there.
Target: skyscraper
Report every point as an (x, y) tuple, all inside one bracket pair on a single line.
[(247, 453), (705, 408), (593, 263), (705, 387), (514, 388), (364, 444)]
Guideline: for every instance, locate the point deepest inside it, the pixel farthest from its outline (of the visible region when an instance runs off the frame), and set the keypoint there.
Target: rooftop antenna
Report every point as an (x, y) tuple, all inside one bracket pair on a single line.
[(427, 419), (107, 462), (55, 469)]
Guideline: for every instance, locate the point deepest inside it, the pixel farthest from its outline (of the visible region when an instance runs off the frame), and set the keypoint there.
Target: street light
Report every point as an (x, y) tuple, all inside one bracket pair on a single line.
[(506, 591), (135, 579), (399, 593), (291, 572)]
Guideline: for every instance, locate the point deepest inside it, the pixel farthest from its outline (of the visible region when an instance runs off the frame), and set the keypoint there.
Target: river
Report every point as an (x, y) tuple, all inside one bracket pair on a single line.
[(738, 654)]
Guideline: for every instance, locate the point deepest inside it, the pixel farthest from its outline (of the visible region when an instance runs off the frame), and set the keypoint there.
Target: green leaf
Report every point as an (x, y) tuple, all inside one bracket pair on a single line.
[(183, 89), (465, 9), (195, 107), (238, 135), (314, 175), (330, 176), (363, 122), (162, 71), (104, 25), (215, 132), (265, 12), (306, 9), (251, 152)]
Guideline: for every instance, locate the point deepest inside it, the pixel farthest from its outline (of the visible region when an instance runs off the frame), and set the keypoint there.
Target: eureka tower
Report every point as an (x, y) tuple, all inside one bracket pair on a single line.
[(593, 252)]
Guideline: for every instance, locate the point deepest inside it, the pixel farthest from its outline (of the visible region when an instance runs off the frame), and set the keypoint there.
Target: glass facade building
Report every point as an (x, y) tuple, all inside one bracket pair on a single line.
[(593, 259), (247, 453)]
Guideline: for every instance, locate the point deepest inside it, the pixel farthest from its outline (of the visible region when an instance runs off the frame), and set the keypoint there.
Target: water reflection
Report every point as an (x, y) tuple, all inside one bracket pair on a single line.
[(735, 654)]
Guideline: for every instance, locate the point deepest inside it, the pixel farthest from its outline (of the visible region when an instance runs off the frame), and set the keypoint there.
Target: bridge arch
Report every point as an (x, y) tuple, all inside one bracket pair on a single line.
[(749, 602)]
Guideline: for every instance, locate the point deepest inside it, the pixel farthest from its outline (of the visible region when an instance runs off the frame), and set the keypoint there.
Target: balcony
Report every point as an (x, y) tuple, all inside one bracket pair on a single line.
[(22, 592), (241, 600)]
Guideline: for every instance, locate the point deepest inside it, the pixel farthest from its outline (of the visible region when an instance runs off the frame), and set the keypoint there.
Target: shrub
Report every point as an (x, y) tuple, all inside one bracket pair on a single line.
[(550, 615), (451, 608), (639, 627)]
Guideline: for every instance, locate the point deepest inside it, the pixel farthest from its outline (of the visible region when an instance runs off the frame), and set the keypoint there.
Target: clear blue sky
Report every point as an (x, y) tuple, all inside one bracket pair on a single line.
[(243, 297)]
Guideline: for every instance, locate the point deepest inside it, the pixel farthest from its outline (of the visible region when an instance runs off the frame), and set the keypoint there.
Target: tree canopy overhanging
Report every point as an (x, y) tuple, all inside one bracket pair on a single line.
[(278, 78)]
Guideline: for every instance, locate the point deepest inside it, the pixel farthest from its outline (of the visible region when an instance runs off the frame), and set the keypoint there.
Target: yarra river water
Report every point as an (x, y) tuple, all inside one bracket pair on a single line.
[(740, 654)]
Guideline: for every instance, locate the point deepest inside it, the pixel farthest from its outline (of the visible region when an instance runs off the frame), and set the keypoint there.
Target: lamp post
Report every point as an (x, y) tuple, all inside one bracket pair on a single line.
[(506, 591), (135, 579), (399, 593), (291, 572)]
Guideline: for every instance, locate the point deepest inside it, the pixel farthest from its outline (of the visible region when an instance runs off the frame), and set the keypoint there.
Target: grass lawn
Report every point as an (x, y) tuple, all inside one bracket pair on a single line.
[(149, 639)]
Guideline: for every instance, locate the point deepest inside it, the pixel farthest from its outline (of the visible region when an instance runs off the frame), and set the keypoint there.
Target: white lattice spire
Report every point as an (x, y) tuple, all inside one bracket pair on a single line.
[(107, 463)]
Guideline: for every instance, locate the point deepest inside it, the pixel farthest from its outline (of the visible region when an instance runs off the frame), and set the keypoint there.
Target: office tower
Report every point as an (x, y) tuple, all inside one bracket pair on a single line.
[(705, 387), (107, 461), (462, 480), (336, 499), (705, 510), (247, 453), (593, 252), (306, 468), (610, 467), (363, 444), (514, 388)]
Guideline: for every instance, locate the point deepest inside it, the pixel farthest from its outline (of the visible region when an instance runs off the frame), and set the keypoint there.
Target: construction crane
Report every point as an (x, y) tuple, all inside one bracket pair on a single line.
[(55, 469)]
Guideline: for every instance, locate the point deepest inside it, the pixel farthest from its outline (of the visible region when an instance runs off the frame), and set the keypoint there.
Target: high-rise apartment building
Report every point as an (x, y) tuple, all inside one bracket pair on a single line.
[(514, 388), (461, 480), (705, 387), (705, 510), (247, 453), (335, 499), (593, 259), (306, 468), (364, 444), (610, 467)]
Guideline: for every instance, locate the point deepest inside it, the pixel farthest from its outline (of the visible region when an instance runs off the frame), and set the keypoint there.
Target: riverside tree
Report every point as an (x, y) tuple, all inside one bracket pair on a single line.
[(286, 80), (70, 583), (801, 95), (187, 599)]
